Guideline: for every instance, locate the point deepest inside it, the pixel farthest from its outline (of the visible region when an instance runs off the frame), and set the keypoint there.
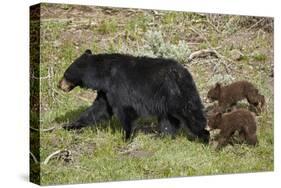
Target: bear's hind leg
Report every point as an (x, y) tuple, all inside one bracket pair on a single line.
[(252, 139)]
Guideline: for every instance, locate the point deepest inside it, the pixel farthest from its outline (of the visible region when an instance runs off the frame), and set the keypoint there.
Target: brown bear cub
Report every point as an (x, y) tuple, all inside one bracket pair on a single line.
[(229, 95), (240, 120)]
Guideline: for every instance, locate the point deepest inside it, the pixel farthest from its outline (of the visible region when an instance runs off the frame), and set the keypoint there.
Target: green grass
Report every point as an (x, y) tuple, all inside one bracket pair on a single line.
[(259, 57), (107, 27), (98, 157), (99, 153)]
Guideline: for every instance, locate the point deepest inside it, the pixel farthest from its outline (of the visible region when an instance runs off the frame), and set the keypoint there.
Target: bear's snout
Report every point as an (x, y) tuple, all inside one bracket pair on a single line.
[(65, 85), (209, 100), (207, 128)]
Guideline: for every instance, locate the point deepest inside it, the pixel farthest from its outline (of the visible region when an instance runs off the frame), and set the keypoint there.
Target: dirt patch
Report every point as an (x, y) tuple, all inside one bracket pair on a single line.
[(134, 149), (87, 148), (137, 153), (63, 11)]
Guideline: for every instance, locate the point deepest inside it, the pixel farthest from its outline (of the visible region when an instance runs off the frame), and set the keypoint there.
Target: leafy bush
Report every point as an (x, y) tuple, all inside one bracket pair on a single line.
[(156, 46)]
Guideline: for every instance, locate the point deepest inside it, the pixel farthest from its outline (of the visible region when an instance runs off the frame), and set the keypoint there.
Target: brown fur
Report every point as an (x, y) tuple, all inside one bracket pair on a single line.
[(229, 95), (240, 120)]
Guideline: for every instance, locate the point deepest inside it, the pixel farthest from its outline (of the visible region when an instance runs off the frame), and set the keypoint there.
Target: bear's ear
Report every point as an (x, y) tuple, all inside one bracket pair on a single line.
[(88, 51)]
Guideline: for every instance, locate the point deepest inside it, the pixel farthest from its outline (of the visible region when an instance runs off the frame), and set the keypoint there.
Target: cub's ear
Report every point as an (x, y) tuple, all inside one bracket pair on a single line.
[(218, 85), (218, 116), (88, 51)]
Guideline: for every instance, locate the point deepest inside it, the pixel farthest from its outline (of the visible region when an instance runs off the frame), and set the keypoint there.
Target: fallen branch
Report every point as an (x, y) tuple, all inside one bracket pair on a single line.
[(42, 130), (212, 49), (68, 153), (51, 156), (254, 25), (210, 52), (202, 53), (40, 78), (33, 157), (65, 157)]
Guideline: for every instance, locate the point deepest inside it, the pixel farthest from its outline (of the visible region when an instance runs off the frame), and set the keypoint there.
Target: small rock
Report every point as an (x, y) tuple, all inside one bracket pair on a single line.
[(236, 55)]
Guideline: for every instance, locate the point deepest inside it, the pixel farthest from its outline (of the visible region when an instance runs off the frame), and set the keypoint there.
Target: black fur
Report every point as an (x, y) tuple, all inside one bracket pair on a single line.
[(98, 112), (141, 86)]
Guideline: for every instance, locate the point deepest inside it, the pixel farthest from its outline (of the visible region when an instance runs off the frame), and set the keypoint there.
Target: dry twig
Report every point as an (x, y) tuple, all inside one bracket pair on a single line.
[(212, 25)]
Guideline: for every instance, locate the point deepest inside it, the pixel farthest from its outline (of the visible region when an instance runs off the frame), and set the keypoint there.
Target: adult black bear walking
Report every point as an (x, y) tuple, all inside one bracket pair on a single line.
[(130, 87)]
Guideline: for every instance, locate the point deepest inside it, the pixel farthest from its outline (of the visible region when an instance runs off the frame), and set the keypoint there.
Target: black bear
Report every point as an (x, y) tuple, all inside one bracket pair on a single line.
[(240, 120), (131, 87), (229, 95)]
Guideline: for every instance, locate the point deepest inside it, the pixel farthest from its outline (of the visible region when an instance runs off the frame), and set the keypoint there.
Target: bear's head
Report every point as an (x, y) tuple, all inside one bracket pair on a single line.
[(214, 93), (214, 121), (73, 76)]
